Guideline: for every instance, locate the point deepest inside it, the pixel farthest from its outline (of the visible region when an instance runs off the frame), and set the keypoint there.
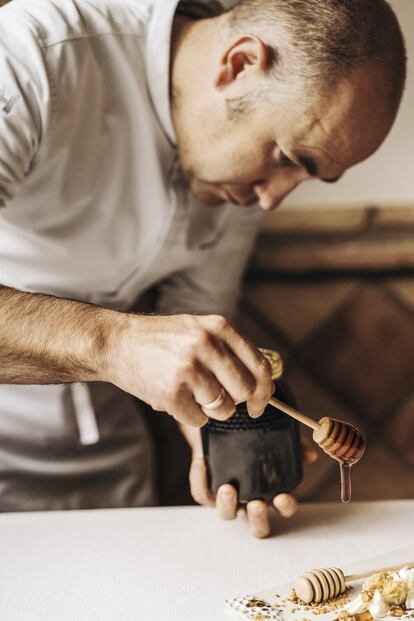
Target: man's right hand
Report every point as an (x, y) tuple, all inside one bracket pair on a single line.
[(180, 363)]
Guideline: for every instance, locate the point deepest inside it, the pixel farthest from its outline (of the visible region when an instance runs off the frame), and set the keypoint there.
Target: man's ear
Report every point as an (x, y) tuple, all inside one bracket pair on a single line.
[(245, 54)]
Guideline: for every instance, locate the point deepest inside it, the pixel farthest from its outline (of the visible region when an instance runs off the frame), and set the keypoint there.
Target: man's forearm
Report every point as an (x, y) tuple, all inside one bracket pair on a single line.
[(174, 363), (47, 340)]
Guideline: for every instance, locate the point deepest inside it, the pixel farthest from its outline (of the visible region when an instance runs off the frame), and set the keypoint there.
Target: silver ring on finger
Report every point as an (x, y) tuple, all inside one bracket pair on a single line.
[(213, 405)]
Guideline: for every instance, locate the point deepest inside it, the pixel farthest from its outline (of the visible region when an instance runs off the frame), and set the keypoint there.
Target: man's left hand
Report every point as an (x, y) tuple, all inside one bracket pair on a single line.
[(226, 501)]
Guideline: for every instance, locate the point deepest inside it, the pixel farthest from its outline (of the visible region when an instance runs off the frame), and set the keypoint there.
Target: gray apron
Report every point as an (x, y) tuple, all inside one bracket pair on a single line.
[(107, 460)]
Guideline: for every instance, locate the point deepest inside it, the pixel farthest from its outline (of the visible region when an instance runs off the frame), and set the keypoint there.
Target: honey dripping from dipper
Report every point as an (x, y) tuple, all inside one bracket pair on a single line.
[(338, 439), (343, 443)]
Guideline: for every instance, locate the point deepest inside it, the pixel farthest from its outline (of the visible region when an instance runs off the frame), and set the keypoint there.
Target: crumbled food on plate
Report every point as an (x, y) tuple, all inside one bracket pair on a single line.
[(324, 607), (254, 602), (385, 594)]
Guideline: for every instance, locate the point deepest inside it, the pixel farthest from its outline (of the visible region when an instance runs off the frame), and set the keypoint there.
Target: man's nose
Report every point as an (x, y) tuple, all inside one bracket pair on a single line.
[(272, 190)]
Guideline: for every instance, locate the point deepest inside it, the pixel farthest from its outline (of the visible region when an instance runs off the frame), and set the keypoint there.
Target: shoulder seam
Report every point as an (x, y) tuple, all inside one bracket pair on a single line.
[(92, 35)]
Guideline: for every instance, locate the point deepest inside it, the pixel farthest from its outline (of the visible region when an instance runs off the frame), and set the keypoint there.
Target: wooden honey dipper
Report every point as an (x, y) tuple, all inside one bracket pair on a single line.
[(318, 585), (338, 439)]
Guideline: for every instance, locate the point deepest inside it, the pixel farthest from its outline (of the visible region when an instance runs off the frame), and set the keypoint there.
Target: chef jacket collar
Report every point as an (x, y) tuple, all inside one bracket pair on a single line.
[(158, 62), (158, 51)]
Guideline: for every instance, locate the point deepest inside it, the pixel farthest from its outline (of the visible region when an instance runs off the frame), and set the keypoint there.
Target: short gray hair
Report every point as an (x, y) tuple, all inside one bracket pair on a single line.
[(320, 42)]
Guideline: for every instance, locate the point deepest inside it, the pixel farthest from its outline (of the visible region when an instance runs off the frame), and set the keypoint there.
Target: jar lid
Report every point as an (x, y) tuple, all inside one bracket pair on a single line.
[(276, 362)]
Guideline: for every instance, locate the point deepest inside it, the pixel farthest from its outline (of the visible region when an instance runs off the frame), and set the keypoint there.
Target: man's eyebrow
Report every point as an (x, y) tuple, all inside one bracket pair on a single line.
[(312, 168)]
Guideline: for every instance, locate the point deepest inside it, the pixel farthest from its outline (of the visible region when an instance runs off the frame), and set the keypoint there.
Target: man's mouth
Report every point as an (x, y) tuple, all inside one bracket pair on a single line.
[(221, 190), (230, 198)]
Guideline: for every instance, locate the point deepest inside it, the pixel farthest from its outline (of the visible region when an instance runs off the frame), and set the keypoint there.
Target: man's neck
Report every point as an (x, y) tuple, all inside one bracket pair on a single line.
[(192, 46)]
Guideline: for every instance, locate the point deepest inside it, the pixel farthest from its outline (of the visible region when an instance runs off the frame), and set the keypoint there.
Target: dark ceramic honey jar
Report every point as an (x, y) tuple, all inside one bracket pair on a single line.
[(261, 457)]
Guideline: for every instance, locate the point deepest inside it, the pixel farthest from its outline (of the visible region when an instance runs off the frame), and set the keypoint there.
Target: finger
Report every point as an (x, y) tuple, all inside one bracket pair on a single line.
[(194, 439), (265, 388), (185, 410), (222, 412), (199, 483), (258, 518), (256, 363), (206, 389), (226, 502), (286, 505), (229, 372)]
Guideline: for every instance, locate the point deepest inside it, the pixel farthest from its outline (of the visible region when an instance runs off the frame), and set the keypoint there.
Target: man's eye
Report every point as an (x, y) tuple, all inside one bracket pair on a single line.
[(286, 162)]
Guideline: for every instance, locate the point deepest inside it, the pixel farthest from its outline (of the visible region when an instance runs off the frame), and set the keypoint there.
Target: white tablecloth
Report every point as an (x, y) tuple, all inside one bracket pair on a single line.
[(175, 564)]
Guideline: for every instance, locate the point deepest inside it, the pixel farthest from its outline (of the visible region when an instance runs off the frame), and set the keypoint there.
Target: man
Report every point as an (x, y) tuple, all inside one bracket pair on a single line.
[(111, 112)]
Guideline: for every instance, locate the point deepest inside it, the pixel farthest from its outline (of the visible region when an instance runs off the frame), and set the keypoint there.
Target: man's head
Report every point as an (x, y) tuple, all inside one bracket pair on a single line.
[(274, 92)]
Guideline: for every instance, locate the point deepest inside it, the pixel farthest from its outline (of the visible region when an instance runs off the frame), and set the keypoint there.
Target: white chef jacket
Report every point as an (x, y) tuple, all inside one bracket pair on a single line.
[(93, 203)]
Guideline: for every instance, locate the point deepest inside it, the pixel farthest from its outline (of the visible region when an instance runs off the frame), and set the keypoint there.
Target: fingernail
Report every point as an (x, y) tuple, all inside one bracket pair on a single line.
[(254, 413), (227, 493), (289, 511), (286, 505), (257, 510), (226, 505)]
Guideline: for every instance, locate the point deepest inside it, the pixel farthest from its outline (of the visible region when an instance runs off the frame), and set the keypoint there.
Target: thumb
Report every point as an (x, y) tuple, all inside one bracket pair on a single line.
[(199, 482)]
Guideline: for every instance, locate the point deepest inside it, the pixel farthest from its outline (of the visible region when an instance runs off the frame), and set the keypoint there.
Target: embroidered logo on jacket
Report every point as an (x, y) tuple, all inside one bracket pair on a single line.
[(7, 103)]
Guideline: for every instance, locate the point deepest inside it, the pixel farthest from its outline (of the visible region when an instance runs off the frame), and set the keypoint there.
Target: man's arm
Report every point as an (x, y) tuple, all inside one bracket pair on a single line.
[(174, 363), (48, 340)]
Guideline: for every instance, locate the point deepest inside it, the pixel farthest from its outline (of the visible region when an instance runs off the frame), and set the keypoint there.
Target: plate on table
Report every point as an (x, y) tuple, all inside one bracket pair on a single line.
[(276, 604)]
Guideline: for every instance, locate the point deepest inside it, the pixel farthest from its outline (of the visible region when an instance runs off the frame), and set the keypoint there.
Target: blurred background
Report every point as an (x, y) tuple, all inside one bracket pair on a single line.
[(331, 286)]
